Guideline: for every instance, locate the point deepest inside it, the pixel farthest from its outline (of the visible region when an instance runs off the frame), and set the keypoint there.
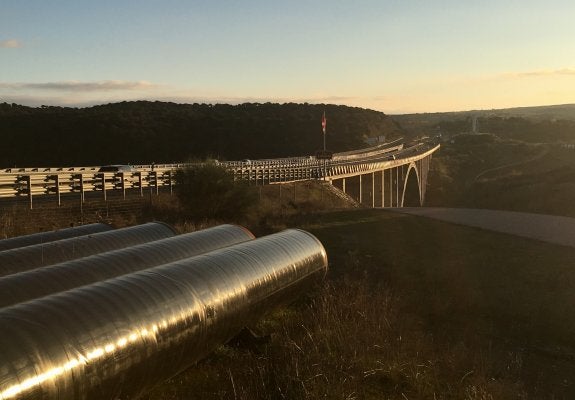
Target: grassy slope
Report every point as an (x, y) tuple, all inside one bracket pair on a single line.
[(411, 308), (486, 171)]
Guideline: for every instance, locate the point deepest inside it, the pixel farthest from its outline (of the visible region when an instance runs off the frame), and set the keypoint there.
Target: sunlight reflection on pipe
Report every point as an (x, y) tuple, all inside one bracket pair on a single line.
[(152, 323)]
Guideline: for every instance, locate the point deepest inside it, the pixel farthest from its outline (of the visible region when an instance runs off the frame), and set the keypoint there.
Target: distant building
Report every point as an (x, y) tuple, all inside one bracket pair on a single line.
[(474, 124)]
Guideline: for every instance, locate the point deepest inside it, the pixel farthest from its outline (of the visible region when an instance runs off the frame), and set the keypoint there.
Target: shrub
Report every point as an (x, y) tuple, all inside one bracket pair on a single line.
[(208, 191)]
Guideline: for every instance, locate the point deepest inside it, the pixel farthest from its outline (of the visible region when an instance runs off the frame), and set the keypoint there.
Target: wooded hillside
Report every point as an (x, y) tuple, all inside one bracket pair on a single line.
[(145, 132)]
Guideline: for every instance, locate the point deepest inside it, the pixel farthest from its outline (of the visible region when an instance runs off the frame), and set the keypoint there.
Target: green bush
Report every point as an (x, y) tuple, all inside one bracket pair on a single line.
[(208, 191)]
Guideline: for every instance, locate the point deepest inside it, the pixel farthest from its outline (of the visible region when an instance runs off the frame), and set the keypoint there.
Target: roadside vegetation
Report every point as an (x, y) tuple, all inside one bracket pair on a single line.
[(208, 191)]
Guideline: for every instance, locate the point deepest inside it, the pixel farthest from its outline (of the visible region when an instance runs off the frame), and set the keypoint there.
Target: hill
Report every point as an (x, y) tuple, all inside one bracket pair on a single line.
[(543, 118), (497, 172), (145, 132)]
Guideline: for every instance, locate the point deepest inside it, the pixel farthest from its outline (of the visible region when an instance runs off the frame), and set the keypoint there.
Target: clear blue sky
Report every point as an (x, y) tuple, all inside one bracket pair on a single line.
[(393, 56)]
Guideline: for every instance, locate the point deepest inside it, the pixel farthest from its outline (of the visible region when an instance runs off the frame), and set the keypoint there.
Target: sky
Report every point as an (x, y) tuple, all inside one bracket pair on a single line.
[(393, 56)]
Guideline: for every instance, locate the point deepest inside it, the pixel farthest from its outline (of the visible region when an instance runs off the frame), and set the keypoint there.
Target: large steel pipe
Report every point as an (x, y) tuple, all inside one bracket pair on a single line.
[(117, 338), (50, 236), (38, 255), (55, 278)]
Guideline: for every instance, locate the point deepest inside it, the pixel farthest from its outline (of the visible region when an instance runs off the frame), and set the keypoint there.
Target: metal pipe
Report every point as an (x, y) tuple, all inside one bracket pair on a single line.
[(120, 337), (50, 236), (39, 255), (27, 285)]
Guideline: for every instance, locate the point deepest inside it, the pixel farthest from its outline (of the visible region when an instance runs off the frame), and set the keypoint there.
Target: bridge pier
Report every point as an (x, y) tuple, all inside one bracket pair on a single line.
[(373, 190), (384, 189), (360, 190)]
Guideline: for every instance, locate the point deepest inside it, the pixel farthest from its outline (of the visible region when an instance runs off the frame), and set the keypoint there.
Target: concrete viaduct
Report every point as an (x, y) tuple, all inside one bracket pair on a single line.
[(387, 175)]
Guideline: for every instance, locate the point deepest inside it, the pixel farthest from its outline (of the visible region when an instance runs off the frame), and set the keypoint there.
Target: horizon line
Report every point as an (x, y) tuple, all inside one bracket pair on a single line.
[(213, 103)]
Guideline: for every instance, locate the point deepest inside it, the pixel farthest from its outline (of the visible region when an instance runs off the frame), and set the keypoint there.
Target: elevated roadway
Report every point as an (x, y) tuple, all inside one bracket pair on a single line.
[(387, 175)]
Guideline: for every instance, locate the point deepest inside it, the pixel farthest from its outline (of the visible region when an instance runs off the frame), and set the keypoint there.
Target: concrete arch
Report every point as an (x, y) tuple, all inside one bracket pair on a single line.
[(408, 176)]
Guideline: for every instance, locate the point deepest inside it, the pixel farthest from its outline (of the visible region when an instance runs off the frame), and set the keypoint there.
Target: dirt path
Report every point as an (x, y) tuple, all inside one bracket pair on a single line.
[(487, 171), (547, 228)]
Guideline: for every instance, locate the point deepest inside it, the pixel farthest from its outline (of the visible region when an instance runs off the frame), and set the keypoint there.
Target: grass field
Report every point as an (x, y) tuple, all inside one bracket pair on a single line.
[(486, 171), (411, 309)]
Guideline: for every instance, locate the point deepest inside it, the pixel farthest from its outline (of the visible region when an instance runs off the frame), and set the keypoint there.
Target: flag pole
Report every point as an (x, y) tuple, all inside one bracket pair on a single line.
[(323, 125)]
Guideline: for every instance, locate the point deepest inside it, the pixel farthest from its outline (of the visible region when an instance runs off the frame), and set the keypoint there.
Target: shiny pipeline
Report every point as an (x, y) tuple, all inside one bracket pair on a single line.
[(120, 337), (39, 282), (50, 236), (38, 255)]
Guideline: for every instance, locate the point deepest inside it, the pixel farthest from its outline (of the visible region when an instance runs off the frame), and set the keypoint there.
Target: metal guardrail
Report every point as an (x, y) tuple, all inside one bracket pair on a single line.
[(34, 183), (31, 182)]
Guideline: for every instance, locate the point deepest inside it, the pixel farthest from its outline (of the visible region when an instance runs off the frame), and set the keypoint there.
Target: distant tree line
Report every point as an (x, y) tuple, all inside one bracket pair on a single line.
[(161, 132), (524, 129)]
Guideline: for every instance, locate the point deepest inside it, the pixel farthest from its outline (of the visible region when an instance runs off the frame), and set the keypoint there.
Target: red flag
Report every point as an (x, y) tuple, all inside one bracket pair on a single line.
[(323, 122)]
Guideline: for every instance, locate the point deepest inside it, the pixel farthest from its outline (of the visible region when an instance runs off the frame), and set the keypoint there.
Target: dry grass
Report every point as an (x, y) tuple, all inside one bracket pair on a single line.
[(349, 342), (411, 309)]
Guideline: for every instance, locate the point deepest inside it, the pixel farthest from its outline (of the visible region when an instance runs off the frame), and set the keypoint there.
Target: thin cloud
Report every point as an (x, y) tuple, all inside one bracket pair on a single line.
[(334, 99), (542, 72), (75, 86), (10, 44)]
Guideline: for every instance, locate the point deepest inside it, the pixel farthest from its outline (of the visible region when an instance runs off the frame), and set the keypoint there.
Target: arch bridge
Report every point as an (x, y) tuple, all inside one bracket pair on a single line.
[(387, 175)]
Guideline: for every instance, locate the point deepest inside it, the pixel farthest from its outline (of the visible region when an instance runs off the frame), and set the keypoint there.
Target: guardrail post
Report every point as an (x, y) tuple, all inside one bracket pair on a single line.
[(140, 183), (123, 185), (103, 176), (156, 181), (29, 187), (58, 189), (82, 198)]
